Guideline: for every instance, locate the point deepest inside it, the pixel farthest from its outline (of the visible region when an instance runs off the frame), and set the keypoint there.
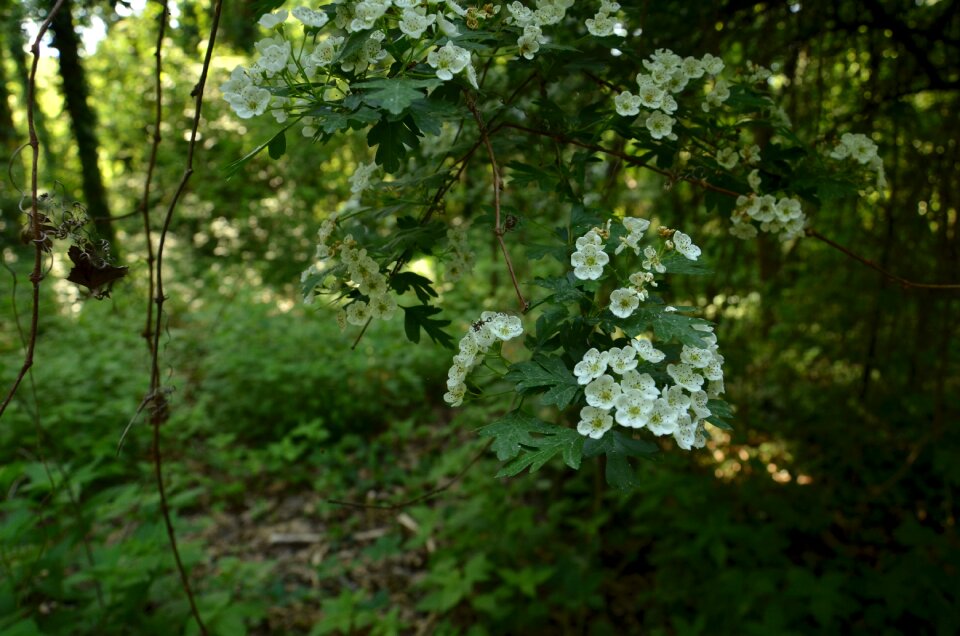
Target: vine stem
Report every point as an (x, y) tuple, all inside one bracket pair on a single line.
[(36, 228), (498, 228), (706, 185), (157, 396), (154, 146)]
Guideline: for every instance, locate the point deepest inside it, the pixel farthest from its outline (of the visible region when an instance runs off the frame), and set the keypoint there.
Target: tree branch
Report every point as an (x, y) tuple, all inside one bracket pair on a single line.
[(498, 228)]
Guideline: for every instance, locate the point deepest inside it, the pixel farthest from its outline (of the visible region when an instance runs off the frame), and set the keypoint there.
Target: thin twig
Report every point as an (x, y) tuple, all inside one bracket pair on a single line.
[(157, 396), (498, 228), (145, 202), (418, 499), (902, 281), (706, 185), (35, 225)]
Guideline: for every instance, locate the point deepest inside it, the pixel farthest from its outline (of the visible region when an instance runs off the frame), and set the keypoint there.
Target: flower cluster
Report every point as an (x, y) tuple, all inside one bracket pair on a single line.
[(491, 328), (604, 23), (363, 275), (531, 22), (635, 401), (668, 75), (784, 216), (863, 150), (288, 77)]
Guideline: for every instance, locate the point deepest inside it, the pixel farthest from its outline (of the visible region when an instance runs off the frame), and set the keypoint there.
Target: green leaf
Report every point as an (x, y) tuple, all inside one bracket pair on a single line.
[(666, 325), (619, 447), (419, 317), (545, 372), (429, 114), (559, 252), (720, 413), (532, 442), (678, 264), (396, 94), (234, 167), (565, 289), (392, 138), (561, 440), (513, 430), (421, 285), (278, 145)]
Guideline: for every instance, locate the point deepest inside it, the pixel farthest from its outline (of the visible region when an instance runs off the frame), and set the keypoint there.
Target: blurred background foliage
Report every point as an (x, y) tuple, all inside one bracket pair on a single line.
[(830, 509)]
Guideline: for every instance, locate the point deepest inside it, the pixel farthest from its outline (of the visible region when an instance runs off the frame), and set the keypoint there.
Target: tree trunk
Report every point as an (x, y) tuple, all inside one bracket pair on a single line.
[(82, 117)]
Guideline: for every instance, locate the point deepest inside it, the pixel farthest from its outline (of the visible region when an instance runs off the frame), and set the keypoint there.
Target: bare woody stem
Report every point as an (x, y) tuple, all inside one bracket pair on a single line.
[(155, 145), (706, 185), (36, 229), (157, 396), (498, 228)]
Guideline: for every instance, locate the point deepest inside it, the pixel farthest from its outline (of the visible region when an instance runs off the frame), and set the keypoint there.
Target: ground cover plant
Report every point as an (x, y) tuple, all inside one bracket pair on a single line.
[(431, 317)]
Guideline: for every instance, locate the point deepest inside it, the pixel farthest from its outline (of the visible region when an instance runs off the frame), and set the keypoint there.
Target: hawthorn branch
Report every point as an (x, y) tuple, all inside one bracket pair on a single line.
[(706, 185), (157, 396), (36, 229), (498, 227)]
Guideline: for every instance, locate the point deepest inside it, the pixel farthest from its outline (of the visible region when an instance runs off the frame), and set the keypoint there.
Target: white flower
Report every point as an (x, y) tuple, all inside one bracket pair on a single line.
[(251, 102), (326, 51), (627, 104), (660, 125), (594, 422), (686, 433), (358, 313), (676, 399), (449, 60), (647, 351), (413, 24), (652, 260), (697, 358), (506, 327), (309, 17), (591, 366), (383, 305), (622, 360), (590, 238), (529, 43), (662, 419), (366, 14), (623, 302), (698, 403), (692, 68), (685, 246), (728, 158), (633, 409), (712, 65), (685, 376), (360, 180), (454, 397), (602, 392), (601, 25), (588, 262), (635, 225), (270, 20), (753, 179), (641, 383)]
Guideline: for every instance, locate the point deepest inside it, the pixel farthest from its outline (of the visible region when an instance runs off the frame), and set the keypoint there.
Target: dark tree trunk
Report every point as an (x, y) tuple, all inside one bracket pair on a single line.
[(82, 117), (8, 136)]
